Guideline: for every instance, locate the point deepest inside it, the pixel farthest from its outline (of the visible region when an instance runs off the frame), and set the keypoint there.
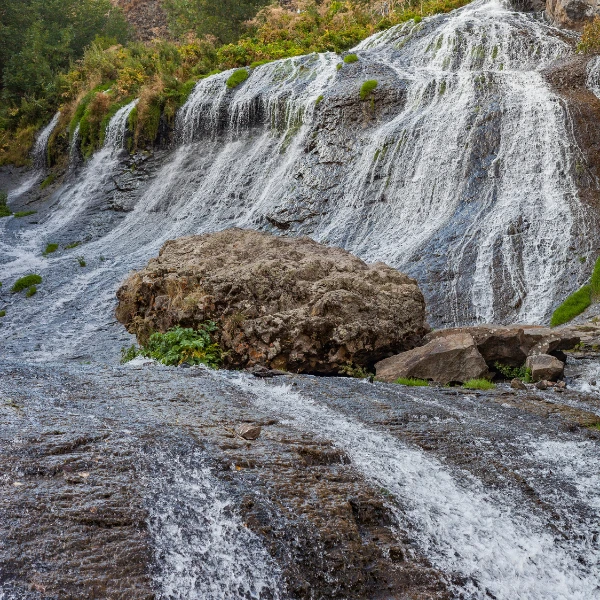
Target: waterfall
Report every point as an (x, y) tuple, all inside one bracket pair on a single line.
[(41, 143), (114, 138), (593, 79)]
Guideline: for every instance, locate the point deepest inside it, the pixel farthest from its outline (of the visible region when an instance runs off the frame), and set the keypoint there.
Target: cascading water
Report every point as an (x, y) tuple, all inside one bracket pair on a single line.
[(593, 80)]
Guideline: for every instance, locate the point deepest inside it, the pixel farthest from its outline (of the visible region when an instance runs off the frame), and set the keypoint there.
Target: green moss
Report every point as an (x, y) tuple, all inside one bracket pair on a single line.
[(319, 100), (72, 245), (339, 66), (2, 313), (350, 58), (237, 77), (258, 63), (478, 384), (50, 248), (81, 261), (573, 305), (25, 282), (48, 181), (412, 382), (31, 291), (595, 282), (24, 213), (366, 88)]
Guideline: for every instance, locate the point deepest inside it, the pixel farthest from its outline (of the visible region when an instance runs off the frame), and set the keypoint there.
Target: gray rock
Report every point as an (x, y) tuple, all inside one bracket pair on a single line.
[(453, 358), (544, 366), (249, 432), (284, 303), (517, 384)]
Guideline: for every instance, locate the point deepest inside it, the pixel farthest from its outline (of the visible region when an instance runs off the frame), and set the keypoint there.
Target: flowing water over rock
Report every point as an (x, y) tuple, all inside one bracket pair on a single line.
[(461, 169)]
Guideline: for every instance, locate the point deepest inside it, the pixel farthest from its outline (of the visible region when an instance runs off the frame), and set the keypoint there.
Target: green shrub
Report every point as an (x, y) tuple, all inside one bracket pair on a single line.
[(366, 88), (181, 345), (595, 282), (590, 37), (50, 248), (237, 77), (31, 291), (24, 213), (478, 384), (4, 210), (573, 305), (412, 382), (26, 282), (350, 58), (521, 372), (2, 313), (128, 354)]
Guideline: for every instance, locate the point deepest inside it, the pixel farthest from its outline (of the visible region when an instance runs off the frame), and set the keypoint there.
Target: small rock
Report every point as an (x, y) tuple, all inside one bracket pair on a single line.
[(396, 554), (249, 432), (561, 385), (542, 385), (517, 384), (593, 382)]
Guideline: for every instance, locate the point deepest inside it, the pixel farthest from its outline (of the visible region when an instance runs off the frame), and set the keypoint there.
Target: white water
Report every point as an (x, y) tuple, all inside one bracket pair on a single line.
[(202, 549), (490, 539), (593, 80)]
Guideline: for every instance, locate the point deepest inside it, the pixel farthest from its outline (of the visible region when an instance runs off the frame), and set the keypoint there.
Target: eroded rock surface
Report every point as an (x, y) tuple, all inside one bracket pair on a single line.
[(284, 303)]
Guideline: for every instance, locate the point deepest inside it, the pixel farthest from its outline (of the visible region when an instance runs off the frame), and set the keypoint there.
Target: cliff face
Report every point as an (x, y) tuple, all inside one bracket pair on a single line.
[(147, 17)]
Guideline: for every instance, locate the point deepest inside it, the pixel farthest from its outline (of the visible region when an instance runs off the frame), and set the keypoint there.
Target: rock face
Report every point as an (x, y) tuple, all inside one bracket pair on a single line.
[(511, 345), (449, 359), (147, 17), (545, 367), (572, 13), (283, 303)]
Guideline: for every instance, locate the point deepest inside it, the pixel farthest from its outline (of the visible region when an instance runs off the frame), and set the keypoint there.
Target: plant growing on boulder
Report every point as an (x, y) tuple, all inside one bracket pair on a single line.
[(237, 77), (366, 88), (26, 282), (181, 345)]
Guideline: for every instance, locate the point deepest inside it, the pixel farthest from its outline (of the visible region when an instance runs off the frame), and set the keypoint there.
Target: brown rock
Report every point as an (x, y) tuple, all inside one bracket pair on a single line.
[(542, 385), (285, 303), (447, 359), (510, 345), (517, 384), (544, 366), (249, 432), (572, 13)]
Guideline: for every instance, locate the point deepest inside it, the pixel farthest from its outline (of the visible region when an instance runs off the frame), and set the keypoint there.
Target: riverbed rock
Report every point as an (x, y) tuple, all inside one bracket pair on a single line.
[(544, 366), (573, 14), (249, 432), (448, 359), (284, 303), (517, 384), (512, 344)]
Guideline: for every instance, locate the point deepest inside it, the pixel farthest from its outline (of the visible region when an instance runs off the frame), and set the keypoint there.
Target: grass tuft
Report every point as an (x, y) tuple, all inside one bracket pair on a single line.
[(50, 248), (366, 88), (595, 281), (350, 58), (237, 77), (411, 381), (2, 313), (573, 305), (31, 291), (478, 384), (72, 245), (24, 213), (319, 100), (81, 261), (4, 210), (25, 282)]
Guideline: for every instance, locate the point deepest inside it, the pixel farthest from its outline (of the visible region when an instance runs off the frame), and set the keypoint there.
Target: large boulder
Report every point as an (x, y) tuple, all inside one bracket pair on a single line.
[(511, 345), (285, 303), (572, 13), (545, 367), (447, 359)]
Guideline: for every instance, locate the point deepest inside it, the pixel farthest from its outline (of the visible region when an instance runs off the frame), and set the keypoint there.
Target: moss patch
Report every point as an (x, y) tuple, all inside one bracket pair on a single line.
[(478, 384), (412, 382), (350, 58), (366, 88), (26, 282), (574, 305), (237, 77)]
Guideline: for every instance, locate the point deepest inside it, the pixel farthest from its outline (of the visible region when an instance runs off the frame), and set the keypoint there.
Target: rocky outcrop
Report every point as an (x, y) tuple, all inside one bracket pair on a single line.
[(147, 17), (511, 345), (545, 367), (285, 303), (446, 359), (572, 13)]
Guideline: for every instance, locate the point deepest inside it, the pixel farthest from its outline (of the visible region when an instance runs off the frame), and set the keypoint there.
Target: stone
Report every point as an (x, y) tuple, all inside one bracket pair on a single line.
[(448, 359), (517, 384), (512, 344), (249, 432), (573, 14), (544, 366), (542, 385), (283, 303), (561, 385)]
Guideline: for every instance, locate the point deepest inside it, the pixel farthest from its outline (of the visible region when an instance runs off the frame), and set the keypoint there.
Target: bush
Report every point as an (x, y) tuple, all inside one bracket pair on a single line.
[(181, 345), (50, 248), (521, 372), (26, 282), (31, 291), (350, 58), (355, 371), (237, 77), (412, 382), (4, 210), (478, 384), (574, 305), (366, 88), (590, 37)]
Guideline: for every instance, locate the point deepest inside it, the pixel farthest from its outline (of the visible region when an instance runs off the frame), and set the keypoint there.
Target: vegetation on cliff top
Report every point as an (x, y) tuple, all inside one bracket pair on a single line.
[(88, 76)]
